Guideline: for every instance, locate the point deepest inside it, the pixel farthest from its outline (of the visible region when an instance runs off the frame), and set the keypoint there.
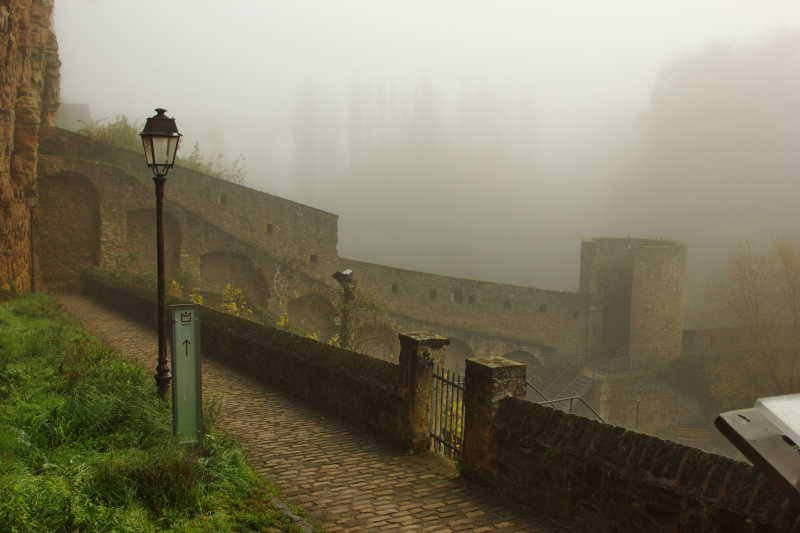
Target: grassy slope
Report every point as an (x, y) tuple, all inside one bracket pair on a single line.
[(85, 445)]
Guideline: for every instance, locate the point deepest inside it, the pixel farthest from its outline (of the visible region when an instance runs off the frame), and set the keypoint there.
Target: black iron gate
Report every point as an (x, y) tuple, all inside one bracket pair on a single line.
[(446, 420)]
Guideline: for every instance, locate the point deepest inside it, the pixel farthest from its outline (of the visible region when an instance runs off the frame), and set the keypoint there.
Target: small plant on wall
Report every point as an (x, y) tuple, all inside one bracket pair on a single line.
[(181, 290), (235, 303)]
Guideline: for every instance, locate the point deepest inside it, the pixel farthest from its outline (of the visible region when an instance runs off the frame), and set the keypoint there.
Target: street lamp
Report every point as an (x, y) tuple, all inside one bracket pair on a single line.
[(160, 139)]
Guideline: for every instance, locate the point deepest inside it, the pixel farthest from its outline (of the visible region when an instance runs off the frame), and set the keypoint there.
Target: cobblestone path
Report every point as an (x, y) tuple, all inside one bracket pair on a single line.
[(340, 475)]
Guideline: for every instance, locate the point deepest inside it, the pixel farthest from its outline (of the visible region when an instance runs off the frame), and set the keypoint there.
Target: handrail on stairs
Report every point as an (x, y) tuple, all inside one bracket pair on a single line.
[(536, 390), (570, 399)]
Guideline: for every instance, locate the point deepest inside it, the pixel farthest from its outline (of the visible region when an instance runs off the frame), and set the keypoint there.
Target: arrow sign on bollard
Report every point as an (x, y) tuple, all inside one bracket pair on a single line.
[(187, 393)]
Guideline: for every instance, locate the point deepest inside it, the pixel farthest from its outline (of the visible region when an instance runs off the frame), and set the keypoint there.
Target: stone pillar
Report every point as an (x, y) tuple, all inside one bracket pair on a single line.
[(487, 381), (417, 355), (348, 283)]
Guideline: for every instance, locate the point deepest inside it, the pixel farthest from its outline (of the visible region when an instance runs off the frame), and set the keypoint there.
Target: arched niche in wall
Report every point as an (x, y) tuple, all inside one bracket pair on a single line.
[(220, 268), (140, 255), (378, 340), (456, 354), (313, 315), (68, 228)]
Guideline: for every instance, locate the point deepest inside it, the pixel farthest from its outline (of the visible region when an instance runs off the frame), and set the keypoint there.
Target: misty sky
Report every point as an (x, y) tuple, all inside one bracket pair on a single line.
[(223, 60), (230, 72)]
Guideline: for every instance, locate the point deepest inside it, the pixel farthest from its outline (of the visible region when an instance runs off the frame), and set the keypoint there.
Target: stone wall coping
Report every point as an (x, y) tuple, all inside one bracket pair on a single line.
[(52, 133), (423, 338), (494, 361), (615, 473), (353, 263)]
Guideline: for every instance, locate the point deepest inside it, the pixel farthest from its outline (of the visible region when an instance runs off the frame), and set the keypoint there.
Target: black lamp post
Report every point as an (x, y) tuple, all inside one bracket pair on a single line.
[(160, 139)]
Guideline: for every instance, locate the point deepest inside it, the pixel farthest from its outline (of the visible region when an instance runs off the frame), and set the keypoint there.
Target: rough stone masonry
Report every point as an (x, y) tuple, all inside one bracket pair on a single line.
[(29, 87)]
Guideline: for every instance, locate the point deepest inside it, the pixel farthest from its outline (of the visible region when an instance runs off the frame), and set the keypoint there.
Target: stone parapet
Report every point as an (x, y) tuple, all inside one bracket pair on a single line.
[(418, 353), (610, 479), (487, 381)]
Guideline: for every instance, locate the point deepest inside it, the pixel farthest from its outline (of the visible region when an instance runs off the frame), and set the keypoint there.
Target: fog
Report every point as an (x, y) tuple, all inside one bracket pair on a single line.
[(476, 139)]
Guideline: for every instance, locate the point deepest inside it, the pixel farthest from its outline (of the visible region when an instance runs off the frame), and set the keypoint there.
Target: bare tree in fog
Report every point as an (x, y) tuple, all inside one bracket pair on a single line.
[(719, 149), (761, 296)]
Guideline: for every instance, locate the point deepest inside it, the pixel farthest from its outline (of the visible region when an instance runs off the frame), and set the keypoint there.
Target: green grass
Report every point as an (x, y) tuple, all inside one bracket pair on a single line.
[(85, 444)]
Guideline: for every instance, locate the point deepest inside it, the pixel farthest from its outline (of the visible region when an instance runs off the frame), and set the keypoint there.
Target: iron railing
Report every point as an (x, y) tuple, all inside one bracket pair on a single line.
[(535, 389), (572, 400), (446, 420), (555, 403)]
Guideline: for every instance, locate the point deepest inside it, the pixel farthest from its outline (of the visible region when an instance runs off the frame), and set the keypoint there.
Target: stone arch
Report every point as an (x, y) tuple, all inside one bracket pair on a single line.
[(141, 239), (68, 228), (220, 268), (456, 354), (378, 340), (521, 356), (313, 314)]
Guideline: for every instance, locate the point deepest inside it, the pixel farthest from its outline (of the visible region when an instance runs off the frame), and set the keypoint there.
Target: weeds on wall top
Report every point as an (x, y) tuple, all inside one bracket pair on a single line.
[(123, 133)]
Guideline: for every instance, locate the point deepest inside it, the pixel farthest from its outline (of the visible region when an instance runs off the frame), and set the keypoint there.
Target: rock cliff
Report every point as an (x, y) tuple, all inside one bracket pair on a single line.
[(29, 87)]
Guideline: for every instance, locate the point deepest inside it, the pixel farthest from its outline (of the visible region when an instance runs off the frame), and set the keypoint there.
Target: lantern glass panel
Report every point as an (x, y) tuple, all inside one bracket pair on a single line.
[(161, 147), (147, 142), (174, 142)]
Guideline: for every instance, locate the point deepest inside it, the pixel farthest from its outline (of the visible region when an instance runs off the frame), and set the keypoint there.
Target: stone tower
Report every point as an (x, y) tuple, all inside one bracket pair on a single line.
[(635, 289)]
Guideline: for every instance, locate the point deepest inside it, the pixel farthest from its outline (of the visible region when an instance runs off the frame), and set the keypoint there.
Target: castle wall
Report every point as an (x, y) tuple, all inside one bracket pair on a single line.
[(635, 293), (193, 245), (552, 320), (629, 302), (659, 276), (29, 75), (302, 236)]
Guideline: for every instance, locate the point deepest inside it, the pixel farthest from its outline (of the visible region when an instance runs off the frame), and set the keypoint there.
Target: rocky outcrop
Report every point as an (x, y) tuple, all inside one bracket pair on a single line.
[(29, 87)]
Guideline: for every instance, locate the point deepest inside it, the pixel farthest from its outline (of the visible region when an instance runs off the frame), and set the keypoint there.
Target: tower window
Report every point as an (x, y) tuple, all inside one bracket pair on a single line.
[(471, 299), (314, 258), (432, 294), (270, 228), (543, 308), (395, 288)]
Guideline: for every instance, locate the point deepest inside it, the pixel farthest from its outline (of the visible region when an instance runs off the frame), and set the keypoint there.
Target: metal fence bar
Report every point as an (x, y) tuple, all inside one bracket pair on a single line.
[(462, 413), (450, 417), (537, 391), (578, 398), (442, 396), (446, 419)]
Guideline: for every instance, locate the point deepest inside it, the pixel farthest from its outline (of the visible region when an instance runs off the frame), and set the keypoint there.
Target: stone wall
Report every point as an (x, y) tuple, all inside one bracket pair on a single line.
[(603, 478), (276, 269), (609, 479), (303, 237), (121, 238), (716, 341), (29, 76), (551, 320), (629, 299), (355, 387)]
